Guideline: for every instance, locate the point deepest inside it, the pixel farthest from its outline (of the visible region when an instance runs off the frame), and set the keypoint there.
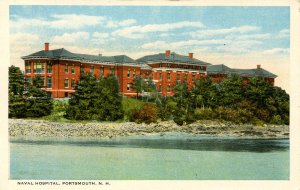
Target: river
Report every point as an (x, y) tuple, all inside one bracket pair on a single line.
[(156, 157)]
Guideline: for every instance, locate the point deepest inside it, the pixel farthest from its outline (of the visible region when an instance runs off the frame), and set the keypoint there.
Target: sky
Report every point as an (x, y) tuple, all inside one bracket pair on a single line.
[(239, 37)]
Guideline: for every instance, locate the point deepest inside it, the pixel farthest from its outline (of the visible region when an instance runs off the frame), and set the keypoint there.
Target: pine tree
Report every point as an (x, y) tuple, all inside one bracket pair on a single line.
[(96, 100), (17, 106), (38, 103)]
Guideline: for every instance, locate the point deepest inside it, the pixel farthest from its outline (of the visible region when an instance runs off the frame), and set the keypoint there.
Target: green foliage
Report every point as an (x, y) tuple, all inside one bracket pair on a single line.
[(204, 114), (17, 106), (31, 103), (204, 93), (231, 91), (166, 108), (147, 113), (138, 83), (184, 112), (130, 105), (96, 100), (38, 103)]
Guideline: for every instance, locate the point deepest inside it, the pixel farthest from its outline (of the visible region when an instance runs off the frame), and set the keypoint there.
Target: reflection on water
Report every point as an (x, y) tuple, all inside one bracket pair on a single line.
[(186, 142)]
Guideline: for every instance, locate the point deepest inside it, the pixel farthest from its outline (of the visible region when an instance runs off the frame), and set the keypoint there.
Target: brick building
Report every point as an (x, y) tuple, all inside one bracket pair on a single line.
[(61, 70)]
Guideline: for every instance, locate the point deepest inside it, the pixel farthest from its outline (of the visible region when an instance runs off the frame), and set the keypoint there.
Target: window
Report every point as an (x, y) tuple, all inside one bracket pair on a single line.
[(92, 70), (178, 76), (185, 67), (147, 75), (27, 68), (73, 69), (101, 71), (168, 64), (160, 65), (128, 87), (66, 83), (133, 74), (160, 76), (112, 71), (39, 67), (169, 76), (81, 69), (128, 73), (66, 94), (49, 68), (169, 88), (49, 82), (66, 69), (73, 83)]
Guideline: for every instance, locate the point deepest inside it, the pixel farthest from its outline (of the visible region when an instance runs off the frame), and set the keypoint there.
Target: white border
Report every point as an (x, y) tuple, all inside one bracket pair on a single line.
[(292, 184)]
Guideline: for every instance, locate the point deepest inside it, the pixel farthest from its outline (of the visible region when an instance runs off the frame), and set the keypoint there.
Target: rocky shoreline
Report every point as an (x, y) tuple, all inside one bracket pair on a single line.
[(42, 128)]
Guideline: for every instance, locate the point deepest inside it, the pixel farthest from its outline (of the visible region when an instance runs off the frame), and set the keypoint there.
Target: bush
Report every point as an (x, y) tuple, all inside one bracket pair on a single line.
[(166, 108), (130, 105), (147, 114), (276, 119), (234, 115), (206, 113)]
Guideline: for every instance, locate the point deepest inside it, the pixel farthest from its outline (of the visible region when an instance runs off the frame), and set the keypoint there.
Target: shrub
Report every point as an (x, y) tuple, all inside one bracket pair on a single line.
[(166, 108), (147, 113), (130, 105), (276, 119), (206, 113)]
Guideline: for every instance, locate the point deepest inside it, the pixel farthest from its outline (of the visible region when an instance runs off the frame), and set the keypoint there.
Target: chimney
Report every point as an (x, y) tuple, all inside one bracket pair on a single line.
[(168, 53), (258, 66), (46, 46), (191, 55)]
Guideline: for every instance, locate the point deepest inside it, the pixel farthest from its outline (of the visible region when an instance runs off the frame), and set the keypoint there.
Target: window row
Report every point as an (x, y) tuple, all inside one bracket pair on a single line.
[(178, 76), (38, 67), (169, 65), (67, 83), (48, 81)]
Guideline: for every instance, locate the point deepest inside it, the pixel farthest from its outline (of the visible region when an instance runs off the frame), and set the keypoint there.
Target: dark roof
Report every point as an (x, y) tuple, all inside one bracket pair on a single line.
[(218, 69), (254, 73), (174, 57), (65, 54), (223, 69)]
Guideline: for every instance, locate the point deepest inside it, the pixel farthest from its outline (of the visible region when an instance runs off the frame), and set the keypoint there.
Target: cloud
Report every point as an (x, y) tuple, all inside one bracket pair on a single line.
[(64, 21), (74, 21), (277, 51), (115, 24), (23, 38), (285, 33), (70, 37), (249, 37), (136, 32), (22, 44), (224, 31), (163, 45)]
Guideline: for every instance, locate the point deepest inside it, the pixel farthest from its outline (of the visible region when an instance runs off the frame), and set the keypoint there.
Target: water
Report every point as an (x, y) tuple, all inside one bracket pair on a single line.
[(172, 156)]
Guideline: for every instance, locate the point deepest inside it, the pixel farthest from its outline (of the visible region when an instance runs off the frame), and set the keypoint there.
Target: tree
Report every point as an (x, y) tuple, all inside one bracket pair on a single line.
[(38, 103), (204, 93), (184, 111), (81, 103), (17, 106), (231, 91), (96, 99), (138, 83), (108, 104)]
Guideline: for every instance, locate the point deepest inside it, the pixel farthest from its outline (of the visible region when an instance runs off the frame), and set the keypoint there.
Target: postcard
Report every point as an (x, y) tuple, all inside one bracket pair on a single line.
[(144, 95)]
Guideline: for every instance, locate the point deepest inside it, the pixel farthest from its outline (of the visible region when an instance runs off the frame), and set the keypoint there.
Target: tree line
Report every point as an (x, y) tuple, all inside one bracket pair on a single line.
[(100, 99)]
